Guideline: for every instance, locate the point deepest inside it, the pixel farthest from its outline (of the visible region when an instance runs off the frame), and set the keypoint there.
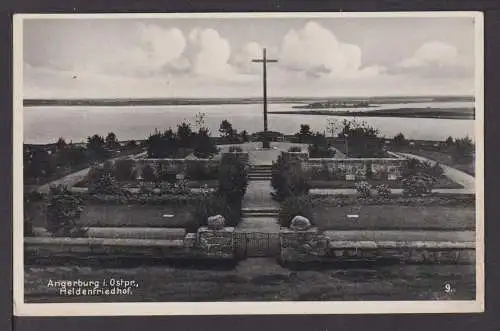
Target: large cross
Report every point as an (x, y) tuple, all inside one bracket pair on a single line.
[(265, 61)]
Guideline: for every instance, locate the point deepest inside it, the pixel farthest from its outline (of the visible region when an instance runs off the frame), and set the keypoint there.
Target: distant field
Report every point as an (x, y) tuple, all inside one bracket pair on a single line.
[(221, 101), (445, 113)]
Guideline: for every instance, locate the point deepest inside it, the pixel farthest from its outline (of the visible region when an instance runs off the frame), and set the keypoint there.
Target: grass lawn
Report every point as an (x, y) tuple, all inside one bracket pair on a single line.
[(124, 215), (444, 158), (443, 182), (394, 217), (264, 281)]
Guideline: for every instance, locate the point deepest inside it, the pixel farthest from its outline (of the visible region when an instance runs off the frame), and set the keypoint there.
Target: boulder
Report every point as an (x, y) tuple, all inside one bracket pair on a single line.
[(216, 222), (300, 223)]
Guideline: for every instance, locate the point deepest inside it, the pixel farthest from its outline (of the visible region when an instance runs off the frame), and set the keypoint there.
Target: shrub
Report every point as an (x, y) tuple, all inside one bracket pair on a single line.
[(383, 190), (233, 178), (149, 173), (200, 171), (317, 151), (211, 205), (463, 150), (288, 178), (63, 210), (295, 149), (415, 167), (418, 185), (363, 188), (124, 169), (204, 146), (294, 206), (235, 149), (102, 180)]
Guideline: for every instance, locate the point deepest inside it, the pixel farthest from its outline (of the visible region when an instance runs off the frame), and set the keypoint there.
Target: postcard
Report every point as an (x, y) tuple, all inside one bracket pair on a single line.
[(248, 163)]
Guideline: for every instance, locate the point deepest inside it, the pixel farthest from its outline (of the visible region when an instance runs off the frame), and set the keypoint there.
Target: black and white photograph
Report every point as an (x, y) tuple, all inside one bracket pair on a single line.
[(250, 163)]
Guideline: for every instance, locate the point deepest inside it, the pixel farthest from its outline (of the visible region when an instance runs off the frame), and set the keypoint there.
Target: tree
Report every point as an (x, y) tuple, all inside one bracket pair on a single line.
[(111, 141), (95, 146), (449, 141), (40, 163), (400, 140), (61, 144), (185, 135), (228, 133), (362, 139), (204, 146), (332, 126), (463, 150), (244, 136), (304, 133)]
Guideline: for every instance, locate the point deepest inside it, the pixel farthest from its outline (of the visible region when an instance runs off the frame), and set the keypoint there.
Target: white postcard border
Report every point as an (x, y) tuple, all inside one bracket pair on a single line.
[(240, 308)]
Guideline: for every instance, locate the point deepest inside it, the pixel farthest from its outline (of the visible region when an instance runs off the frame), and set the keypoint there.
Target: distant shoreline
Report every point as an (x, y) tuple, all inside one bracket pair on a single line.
[(224, 101), (440, 113)]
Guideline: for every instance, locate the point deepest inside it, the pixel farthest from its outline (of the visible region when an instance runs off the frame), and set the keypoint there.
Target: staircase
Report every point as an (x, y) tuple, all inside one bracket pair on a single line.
[(260, 212), (260, 172), (262, 220)]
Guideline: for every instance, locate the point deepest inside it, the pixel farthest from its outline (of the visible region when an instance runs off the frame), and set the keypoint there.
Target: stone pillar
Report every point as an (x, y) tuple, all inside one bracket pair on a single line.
[(302, 243), (216, 240)]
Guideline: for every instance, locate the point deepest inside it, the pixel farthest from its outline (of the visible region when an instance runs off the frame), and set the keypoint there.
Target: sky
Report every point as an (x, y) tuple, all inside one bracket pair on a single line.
[(201, 57)]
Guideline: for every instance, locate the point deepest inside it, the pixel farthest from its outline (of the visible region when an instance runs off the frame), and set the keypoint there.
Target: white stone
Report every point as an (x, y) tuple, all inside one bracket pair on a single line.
[(300, 223), (216, 222), (350, 177), (392, 177)]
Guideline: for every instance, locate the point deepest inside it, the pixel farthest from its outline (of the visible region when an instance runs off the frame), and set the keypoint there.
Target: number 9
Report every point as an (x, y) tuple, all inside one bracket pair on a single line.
[(447, 288)]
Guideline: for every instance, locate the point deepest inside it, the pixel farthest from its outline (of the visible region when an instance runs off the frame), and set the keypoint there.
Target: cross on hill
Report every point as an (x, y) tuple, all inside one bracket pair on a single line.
[(265, 61)]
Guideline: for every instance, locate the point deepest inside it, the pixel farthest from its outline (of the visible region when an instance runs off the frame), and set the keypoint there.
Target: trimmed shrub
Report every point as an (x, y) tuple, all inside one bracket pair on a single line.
[(363, 188), (418, 185), (124, 169), (294, 206), (233, 178), (200, 171), (149, 173), (383, 190), (102, 180), (288, 178), (63, 210)]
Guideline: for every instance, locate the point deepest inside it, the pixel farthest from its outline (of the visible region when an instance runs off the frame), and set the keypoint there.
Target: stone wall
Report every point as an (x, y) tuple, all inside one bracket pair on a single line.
[(216, 243), (310, 245), (356, 169), (349, 169), (179, 166), (302, 246)]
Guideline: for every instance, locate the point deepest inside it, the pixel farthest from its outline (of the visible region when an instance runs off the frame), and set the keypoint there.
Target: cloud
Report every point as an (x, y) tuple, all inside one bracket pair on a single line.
[(212, 53), (435, 59), (317, 52)]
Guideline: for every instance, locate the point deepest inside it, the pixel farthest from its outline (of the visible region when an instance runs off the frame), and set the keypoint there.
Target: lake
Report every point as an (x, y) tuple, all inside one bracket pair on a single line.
[(45, 124)]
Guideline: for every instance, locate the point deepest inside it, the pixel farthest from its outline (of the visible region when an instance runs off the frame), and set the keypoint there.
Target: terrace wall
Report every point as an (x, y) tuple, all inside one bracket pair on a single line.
[(351, 168), (299, 247)]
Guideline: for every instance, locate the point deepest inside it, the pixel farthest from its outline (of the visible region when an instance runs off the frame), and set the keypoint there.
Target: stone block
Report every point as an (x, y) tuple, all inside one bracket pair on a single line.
[(216, 243), (392, 176), (300, 223), (190, 240), (216, 222)]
